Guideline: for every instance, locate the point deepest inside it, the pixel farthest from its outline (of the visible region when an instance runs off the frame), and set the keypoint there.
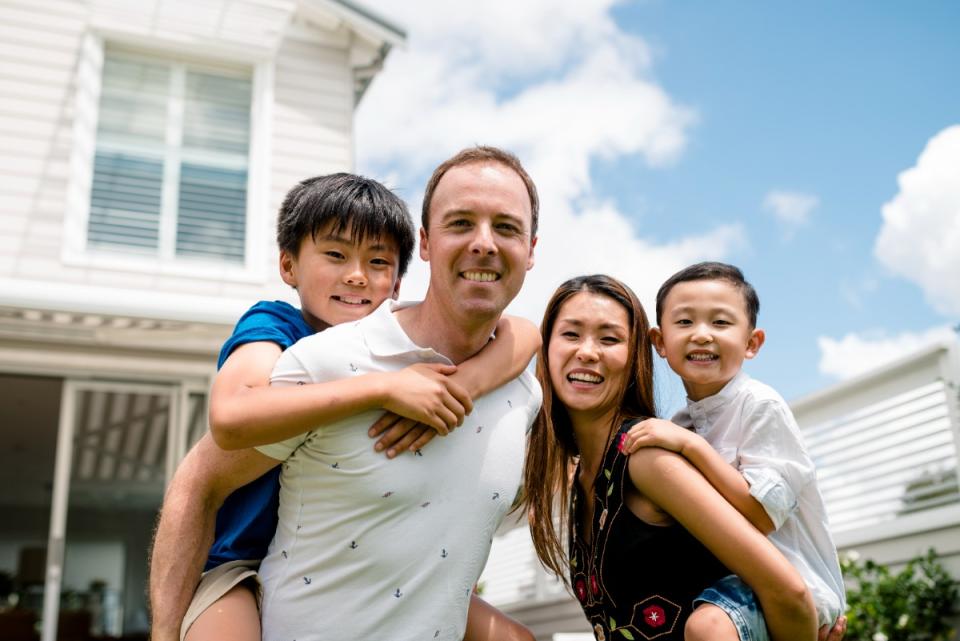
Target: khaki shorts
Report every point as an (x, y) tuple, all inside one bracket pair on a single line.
[(217, 582)]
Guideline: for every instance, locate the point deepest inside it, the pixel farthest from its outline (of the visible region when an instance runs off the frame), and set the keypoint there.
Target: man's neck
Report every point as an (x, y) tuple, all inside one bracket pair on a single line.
[(431, 325)]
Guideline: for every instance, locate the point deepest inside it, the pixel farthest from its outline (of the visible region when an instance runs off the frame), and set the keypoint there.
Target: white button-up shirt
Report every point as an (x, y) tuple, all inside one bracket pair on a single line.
[(753, 429)]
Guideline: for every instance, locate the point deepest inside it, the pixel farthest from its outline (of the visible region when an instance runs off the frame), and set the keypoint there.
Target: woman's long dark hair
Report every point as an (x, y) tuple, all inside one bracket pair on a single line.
[(553, 448)]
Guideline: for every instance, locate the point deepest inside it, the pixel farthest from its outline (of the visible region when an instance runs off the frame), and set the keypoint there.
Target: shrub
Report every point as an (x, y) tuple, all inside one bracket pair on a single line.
[(912, 605)]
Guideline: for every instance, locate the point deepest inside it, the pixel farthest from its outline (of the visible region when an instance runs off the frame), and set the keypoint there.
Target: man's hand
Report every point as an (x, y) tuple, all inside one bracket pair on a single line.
[(400, 434), (834, 633), (656, 432)]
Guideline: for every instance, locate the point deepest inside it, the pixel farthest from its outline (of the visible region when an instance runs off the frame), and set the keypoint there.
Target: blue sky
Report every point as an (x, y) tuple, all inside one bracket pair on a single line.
[(769, 135)]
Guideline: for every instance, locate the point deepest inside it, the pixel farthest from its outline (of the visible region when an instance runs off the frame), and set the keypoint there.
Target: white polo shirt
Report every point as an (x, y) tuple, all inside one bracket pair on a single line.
[(373, 548), (753, 429)]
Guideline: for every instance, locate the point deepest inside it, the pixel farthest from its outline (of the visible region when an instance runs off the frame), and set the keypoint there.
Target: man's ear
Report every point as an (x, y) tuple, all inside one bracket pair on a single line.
[(533, 243), (288, 268), (424, 246), (755, 342), (656, 337)]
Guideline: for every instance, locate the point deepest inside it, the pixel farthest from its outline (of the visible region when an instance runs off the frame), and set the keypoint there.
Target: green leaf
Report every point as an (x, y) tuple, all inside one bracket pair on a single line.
[(609, 490), (626, 633), (613, 624), (608, 474)]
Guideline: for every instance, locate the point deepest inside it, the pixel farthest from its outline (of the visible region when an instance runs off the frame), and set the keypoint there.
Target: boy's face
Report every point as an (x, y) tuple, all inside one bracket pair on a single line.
[(340, 280), (705, 335)]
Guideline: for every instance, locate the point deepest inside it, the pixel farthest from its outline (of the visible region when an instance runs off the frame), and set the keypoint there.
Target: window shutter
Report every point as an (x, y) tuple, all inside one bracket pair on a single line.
[(212, 206), (125, 201)]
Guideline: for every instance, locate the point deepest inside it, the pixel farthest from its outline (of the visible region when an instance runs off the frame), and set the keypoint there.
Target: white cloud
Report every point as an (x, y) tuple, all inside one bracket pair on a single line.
[(792, 209), (857, 353), (559, 84), (920, 237)]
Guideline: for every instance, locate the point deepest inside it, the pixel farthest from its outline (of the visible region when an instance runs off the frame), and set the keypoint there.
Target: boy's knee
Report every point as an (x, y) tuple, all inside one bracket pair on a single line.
[(709, 623)]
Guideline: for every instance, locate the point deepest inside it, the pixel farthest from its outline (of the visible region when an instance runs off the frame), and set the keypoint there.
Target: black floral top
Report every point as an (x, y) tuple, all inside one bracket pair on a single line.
[(634, 580)]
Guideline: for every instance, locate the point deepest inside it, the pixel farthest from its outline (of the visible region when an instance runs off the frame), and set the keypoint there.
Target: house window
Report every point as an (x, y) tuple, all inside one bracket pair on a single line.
[(171, 161)]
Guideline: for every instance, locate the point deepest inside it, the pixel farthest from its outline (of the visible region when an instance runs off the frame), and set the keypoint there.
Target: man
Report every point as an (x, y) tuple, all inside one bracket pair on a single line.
[(366, 551)]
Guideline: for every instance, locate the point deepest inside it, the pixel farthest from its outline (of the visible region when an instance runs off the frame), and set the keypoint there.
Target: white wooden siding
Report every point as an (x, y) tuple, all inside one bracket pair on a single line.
[(48, 96)]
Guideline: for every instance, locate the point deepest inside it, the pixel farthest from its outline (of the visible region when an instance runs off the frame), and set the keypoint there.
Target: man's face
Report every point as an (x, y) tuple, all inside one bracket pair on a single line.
[(478, 242), (705, 335), (339, 279)]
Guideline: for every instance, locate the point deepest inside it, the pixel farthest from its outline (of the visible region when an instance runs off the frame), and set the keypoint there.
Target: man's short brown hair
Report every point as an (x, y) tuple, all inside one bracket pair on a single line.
[(483, 153)]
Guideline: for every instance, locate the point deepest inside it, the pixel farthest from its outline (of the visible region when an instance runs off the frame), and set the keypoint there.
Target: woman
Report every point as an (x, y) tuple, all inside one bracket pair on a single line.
[(647, 533)]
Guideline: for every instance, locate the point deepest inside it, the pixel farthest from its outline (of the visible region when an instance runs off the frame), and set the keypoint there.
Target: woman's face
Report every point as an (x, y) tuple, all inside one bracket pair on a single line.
[(587, 355)]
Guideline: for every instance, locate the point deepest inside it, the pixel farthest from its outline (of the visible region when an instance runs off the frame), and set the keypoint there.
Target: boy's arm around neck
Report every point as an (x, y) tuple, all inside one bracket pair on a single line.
[(246, 412), (502, 359)]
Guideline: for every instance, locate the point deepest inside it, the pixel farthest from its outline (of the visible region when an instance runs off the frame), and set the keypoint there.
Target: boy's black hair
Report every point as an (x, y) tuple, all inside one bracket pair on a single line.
[(351, 203), (712, 271)]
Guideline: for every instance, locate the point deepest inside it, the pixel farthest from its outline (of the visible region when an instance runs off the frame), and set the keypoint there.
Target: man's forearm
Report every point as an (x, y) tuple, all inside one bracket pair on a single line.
[(181, 543)]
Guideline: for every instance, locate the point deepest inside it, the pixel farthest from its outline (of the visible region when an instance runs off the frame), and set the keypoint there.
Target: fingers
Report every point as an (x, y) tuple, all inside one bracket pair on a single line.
[(408, 439), (424, 438), (836, 632), (461, 395), (383, 424), (396, 432)]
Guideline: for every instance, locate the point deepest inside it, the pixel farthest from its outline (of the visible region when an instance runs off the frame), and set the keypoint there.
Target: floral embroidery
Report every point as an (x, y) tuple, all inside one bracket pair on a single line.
[(654, 616), (599, 632), (580, 587), (603, 518), (594, 585)]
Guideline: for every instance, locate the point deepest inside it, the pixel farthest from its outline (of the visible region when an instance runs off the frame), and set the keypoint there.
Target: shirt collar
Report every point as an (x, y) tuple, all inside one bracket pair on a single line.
[(705, 407), (385, 337)]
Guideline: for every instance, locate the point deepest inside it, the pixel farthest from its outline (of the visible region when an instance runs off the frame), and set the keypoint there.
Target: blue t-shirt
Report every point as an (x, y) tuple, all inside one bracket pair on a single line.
[(247, 519)]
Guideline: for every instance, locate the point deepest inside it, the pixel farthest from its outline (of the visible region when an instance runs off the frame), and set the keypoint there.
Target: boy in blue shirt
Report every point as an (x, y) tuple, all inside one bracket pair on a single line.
[(344, 241)]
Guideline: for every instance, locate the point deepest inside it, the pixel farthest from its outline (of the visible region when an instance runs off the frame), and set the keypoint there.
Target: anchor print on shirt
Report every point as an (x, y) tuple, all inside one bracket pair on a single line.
[(353, 368), (398, 593), (443, 553), (353, 545)]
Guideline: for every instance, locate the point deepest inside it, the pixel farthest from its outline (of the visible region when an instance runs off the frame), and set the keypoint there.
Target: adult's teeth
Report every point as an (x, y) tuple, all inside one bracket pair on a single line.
[(484, 277), (586, 378)]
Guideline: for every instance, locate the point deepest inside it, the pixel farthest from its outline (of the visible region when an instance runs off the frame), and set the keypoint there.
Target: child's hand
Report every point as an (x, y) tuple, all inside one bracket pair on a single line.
[(655, 432), (400, 434), (425, 393)]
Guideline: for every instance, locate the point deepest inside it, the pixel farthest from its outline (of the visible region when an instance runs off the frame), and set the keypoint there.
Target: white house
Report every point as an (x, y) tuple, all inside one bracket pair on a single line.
[(885, 444), (144, 149)]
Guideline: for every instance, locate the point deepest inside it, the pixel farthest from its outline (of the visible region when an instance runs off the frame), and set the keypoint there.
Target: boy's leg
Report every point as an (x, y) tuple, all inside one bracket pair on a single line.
[(233, 617), (225, 605), (727, 610), (710, 623)]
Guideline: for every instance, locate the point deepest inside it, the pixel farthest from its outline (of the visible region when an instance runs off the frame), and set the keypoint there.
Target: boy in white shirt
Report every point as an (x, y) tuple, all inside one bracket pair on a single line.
[(741, 435)]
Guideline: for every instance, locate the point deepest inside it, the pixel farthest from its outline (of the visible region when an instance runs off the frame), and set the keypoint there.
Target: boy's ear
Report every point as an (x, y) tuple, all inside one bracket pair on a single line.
[(287, 268), (424, 246), (396, 290), (656, 337), (755, 342)]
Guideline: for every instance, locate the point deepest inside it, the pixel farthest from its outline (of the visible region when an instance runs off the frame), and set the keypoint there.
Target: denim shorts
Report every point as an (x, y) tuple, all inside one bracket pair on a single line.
[(735, 597)]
